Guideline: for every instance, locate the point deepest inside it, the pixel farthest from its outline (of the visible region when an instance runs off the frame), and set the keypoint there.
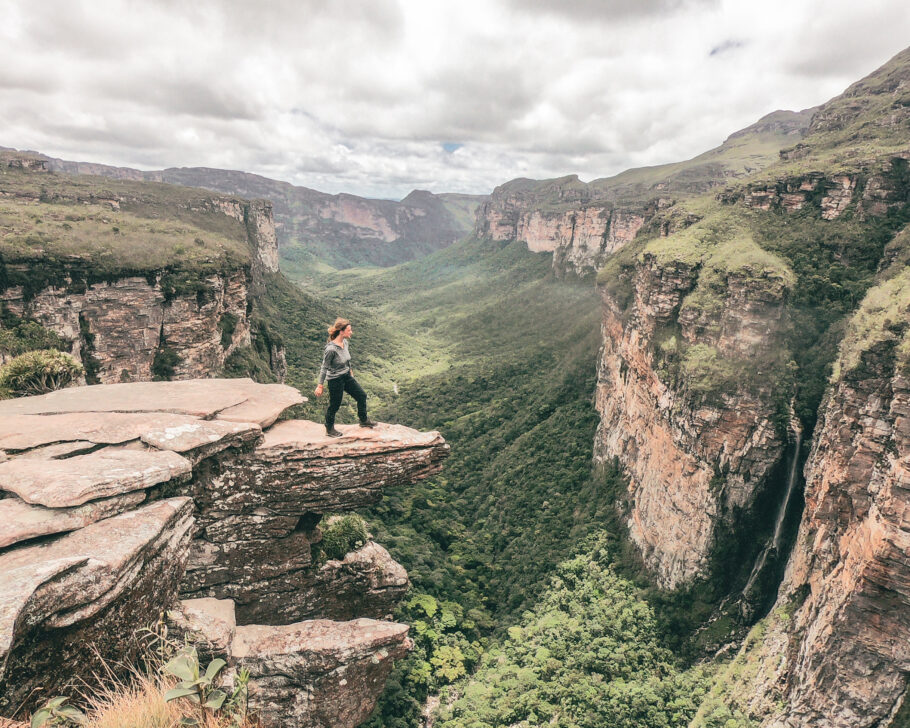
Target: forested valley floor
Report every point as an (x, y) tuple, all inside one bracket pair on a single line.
[(518, 614)]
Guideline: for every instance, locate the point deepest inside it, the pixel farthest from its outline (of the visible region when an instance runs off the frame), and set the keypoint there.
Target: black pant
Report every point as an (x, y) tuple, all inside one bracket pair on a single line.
[(337, 388)]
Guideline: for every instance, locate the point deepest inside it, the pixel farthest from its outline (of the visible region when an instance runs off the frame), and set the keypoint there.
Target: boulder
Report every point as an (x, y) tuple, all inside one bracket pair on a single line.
[(78, 599), (318, 673)]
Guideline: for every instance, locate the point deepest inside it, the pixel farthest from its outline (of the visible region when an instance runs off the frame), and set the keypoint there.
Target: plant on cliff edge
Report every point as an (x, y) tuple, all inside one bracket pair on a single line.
[(197, 688), (37, 372), (342, 535), (57, 712)]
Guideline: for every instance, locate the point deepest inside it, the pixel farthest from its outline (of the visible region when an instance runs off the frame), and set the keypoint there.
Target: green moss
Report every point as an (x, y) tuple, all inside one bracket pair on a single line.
[(227, 325), (343, 534), (246, 361), (165, 362), (19, 335)]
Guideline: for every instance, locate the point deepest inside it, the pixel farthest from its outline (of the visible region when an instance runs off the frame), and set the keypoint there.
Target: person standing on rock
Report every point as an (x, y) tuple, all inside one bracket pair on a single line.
[(336, 368)]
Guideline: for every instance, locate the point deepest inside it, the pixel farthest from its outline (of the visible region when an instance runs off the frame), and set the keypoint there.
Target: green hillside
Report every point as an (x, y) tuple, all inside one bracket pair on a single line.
[(55, 227)]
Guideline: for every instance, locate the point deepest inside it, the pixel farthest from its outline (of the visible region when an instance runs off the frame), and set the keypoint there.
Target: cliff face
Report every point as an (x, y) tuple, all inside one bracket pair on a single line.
[(118, 328), (849, 651), (115, 498), (92, 274), (580, 238), (343, 229), (695, 457), (583, 223), (713, 334)]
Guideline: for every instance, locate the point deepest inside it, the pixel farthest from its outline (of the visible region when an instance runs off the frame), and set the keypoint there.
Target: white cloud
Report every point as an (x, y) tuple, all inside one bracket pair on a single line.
[(360, 95)]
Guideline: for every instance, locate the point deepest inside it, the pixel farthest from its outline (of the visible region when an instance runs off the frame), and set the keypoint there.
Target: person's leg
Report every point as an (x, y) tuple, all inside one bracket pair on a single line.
[(336, 392), (352, 387)]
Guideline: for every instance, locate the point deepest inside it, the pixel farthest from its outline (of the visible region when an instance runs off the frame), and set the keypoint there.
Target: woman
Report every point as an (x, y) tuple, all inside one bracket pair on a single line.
[(336, 368)]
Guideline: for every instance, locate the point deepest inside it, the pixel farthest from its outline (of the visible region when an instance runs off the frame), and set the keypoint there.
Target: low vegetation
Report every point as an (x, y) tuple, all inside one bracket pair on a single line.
[(38, 372), (170, 689), (588, 655), (343, 534)]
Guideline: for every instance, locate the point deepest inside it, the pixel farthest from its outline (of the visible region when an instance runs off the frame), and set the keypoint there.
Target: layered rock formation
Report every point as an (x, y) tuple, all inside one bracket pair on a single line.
[(583, 223), (116, 498), (144, 316), (344, 229), (696, 451), (309, 674)]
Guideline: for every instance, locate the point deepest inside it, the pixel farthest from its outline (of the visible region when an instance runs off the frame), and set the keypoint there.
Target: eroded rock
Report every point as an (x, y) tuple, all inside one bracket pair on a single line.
[(319, 673), (62, 600)]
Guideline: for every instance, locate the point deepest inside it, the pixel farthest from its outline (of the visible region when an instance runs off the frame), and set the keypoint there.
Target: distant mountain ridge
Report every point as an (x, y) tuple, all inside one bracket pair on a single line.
[(582, 223), (343, 230)]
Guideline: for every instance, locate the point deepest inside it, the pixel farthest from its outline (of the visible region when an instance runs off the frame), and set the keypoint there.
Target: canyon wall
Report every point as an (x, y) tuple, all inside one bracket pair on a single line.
[(697, 444), (344, 229), (115, 499), (137, 318), (582, 224)]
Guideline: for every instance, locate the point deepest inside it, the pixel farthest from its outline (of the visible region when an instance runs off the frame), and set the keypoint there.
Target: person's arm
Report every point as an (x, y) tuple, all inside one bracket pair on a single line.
[(323, 370)]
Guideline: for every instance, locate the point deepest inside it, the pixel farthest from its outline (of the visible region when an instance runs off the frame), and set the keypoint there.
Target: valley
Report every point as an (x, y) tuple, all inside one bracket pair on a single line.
[(673, 406)]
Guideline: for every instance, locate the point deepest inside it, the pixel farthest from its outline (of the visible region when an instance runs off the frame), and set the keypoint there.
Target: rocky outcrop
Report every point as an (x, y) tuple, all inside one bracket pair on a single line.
[(116, 498), (62, 600), (879, 187), (583, 223), (697, 439), (144, 316), (345, 229), (561, 220), (310, 674)]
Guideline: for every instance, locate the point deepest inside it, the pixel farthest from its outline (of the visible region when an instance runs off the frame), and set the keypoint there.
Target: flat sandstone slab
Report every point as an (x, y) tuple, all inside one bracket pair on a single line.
[(24, 432), (69, 579), (308, 439), (101, 474), (197, 397), (20, 521), (321, 642)]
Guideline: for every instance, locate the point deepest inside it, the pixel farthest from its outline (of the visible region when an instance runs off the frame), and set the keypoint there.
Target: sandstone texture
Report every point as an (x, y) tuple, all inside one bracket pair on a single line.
[(847, 584), (117, 498), (121, 326), (90, 588), (314, 674), (309, 674), (673, 444), (568, 221)]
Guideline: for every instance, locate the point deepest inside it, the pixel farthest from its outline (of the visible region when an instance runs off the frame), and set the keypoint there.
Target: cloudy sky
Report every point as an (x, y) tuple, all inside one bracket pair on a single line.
[(378, 97)]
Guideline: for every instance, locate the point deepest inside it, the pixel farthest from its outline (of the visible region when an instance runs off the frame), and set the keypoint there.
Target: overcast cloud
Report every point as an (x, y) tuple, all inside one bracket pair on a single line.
[(376, 97)]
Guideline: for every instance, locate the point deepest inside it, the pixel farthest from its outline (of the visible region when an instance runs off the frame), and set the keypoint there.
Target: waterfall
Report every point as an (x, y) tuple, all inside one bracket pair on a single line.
[(774, 543)]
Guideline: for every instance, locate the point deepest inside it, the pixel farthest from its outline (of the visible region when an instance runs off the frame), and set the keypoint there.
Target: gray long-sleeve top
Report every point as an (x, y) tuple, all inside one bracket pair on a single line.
[(336, 361)]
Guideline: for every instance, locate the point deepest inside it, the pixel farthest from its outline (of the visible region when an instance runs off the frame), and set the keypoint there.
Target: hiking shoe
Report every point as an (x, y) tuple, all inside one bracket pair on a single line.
[(367, 423), (332, 432)]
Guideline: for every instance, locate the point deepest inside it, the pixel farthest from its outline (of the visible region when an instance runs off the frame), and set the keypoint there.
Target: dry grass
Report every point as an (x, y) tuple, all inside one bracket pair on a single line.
[(139, 703)]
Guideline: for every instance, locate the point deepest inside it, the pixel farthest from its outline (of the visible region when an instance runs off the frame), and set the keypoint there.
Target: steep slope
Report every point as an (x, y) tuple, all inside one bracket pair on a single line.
[(343, 230), (721, 341), (139, 280), (583, 223)]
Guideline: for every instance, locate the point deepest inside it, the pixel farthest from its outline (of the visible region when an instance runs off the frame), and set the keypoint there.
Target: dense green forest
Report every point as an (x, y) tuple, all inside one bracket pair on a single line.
[(483, 343)]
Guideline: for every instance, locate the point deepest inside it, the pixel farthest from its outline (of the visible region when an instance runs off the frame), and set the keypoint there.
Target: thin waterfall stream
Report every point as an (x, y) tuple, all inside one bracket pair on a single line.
[(774, 543)]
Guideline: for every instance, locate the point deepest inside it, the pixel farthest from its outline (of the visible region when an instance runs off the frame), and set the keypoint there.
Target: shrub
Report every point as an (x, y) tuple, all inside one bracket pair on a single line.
[(37, 372), (165, 362), (342, 535)]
